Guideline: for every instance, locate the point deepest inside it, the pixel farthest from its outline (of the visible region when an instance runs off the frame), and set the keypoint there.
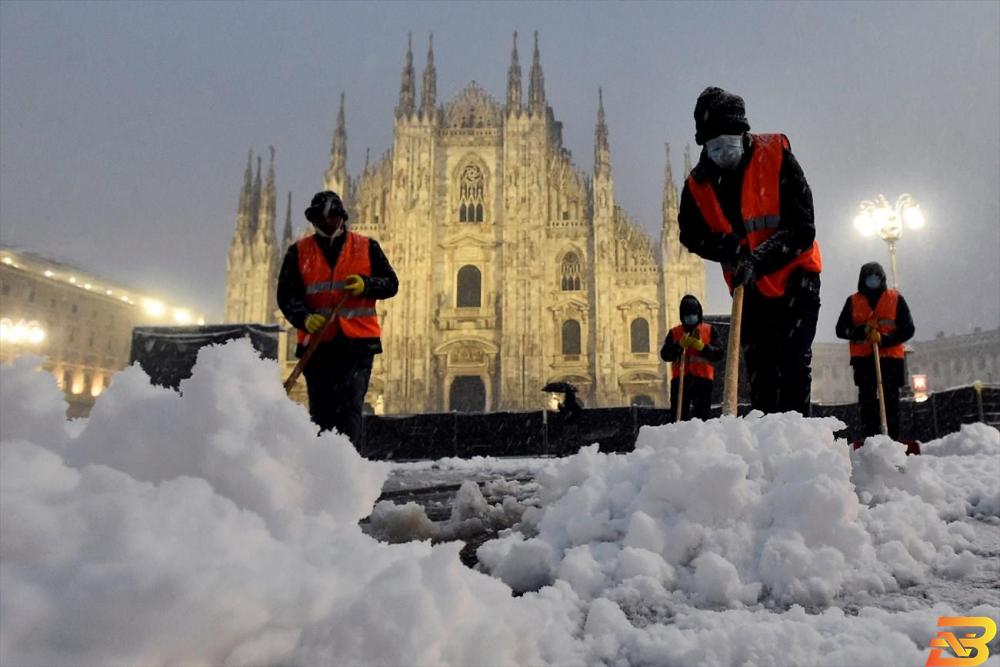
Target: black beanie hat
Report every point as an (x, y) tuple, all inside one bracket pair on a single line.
[(318, 206), (718, 112), (691, 306)]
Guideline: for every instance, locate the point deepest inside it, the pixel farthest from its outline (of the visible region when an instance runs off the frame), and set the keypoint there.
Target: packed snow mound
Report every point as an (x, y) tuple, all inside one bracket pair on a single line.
[(959, 474), (213, 526), (727, 513)]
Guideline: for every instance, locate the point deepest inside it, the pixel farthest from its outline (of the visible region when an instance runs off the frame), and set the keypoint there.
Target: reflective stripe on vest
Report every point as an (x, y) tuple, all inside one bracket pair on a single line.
[(324, 287), (694, 363), (885, 319), (760, 207)]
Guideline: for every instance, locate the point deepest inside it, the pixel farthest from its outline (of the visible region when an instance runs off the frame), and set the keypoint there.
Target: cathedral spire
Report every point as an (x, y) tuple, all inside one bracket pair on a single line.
[(268, 205), (514, 80), (286, 237), (335, 177), (602, 148), (246, 192), (428, 97), (407, 95), (669, 191), (254, 210), (687, 160), (536, 89)]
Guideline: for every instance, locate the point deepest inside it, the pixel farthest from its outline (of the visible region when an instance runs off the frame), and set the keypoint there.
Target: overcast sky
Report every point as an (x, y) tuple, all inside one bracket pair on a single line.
[(124, 127)]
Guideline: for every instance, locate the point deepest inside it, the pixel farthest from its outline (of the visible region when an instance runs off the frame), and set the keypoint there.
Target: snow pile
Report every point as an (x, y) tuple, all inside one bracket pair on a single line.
[(959, 474), (215, 527), (727, 513)]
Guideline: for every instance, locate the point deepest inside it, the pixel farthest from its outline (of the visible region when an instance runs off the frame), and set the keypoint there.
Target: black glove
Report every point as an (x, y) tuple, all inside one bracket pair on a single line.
[(744, 270)]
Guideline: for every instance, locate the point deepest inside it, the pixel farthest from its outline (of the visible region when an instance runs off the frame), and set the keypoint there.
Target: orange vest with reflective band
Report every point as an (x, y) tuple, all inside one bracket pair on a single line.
[(325, 287), (694, 363), (760, 205), (885, 318)]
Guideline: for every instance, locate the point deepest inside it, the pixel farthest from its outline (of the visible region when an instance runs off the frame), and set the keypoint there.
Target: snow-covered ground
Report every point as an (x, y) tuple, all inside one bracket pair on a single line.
[(214, 527)]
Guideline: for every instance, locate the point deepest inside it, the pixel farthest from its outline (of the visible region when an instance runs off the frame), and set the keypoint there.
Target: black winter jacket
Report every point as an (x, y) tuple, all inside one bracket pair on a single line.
[(904, 323), (382, 284), (795, 233), (671, 350)]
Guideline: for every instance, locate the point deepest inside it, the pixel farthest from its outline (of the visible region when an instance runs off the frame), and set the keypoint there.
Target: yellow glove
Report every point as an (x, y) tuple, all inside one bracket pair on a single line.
[(315, 322), (688, 340), (355, 284), (872, 334)]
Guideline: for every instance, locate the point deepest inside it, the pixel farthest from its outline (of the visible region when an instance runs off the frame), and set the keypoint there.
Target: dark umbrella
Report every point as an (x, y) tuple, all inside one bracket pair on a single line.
[(560, 387)]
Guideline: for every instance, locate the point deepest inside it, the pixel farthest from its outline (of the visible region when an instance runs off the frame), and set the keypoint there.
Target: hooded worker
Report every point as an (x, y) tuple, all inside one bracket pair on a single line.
[(339, 274), (876, 315), (696, 341), (747, 205)]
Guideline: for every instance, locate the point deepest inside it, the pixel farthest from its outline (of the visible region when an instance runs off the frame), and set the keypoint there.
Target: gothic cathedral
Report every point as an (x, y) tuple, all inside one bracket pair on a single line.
[(515, 268)]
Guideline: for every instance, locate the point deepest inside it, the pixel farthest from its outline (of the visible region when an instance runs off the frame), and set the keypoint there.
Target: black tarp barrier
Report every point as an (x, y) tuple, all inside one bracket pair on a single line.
[(433, 436), (167, 354)]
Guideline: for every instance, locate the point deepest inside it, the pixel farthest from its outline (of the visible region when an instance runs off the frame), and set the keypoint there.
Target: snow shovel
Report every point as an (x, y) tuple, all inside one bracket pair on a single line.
[(680, 384), (311, 349), (881, 391), (731, 387)]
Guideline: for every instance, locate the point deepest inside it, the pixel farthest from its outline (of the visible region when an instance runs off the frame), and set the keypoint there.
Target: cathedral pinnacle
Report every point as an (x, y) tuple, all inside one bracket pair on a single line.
[(536, 88), (268, 212), (336, 175), (669, 192), (687, 160), (514, 80), (254, 212), (407, 95), (286, 237), (602, 148), (246, 193), (428, 99)]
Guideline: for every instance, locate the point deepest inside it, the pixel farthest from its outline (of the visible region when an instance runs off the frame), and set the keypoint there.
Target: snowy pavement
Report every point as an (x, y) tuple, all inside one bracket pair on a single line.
[(213, 527)]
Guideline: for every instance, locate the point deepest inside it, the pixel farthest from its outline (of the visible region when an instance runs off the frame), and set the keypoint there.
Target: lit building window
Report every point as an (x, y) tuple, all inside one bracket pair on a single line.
[(570, 273), (640, 335), (469, 287), (571, 337), (470, 195)]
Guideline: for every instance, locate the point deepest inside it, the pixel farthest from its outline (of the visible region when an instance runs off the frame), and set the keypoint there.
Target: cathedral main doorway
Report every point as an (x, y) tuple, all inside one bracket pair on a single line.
[(468, 394)]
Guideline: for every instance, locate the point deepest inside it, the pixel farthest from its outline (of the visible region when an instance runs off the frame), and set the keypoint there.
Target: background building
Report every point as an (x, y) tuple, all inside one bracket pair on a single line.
[(947, 361), (515, 267), (80, 323)]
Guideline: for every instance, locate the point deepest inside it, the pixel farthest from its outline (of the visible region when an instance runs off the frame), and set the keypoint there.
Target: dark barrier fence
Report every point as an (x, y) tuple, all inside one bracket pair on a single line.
[(167, 354), (433, 436)]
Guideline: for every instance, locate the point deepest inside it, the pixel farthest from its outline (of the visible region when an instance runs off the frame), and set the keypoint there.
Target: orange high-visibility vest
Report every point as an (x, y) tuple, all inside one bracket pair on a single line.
[(885, 318), (325, 287), (760, 206), (694, 363)]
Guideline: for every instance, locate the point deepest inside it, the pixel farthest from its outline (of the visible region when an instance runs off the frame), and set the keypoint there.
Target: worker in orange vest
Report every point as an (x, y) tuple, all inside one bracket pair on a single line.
[(332, 267), (876, 314), (696, 341), (747, 205)]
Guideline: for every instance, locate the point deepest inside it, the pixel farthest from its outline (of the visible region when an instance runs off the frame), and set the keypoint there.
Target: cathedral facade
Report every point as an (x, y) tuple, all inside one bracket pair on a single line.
[(515, 267)]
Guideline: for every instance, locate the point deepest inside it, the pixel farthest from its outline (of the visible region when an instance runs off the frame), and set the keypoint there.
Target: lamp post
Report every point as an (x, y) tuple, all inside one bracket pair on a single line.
[(887, 220)]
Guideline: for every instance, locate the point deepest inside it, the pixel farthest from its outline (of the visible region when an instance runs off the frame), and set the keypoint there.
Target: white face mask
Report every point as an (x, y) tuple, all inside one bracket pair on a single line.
[(873, 281), (725, 150)]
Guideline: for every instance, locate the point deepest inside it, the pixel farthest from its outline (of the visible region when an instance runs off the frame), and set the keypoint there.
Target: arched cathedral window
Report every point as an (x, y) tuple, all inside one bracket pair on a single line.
[(570, 272), (471, 194), (640, 335), (571, 337), (469, 287)]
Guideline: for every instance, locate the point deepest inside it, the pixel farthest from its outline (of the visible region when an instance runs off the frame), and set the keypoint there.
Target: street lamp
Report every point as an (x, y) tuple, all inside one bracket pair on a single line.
[(880, 217)]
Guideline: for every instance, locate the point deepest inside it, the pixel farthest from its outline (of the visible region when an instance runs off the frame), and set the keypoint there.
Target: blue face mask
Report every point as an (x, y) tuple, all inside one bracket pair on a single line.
[(873, 281), (690, 320), (726, 150)]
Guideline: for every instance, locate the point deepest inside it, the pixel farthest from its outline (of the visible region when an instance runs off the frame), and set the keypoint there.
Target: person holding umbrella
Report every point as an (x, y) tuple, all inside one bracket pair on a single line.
[(876, 317), (691, 347)]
